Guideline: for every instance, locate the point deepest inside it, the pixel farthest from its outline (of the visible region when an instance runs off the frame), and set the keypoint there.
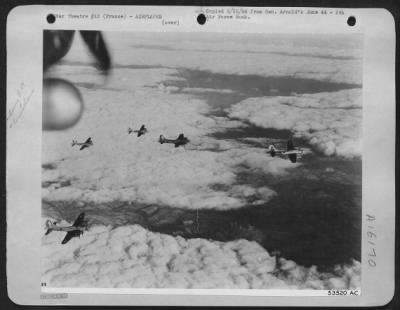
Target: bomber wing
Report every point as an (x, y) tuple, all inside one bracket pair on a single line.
[(79, 220), (293, 157), (70, 235)]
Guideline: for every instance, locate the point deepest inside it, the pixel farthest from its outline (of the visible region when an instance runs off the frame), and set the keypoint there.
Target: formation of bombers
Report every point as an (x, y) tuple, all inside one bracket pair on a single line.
[(292, 153), (80, 225), (181, 140), (96, 44)]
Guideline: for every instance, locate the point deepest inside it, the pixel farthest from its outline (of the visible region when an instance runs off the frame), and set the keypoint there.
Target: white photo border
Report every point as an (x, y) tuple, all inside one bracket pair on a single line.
[(26, 24)]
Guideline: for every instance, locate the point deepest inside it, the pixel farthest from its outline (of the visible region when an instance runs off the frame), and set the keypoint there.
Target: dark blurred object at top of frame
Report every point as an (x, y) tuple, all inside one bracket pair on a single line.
[(57, 43), (62, 101)]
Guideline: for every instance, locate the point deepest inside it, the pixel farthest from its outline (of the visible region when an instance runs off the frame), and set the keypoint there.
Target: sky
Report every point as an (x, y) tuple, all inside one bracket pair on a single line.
[(205, 174)]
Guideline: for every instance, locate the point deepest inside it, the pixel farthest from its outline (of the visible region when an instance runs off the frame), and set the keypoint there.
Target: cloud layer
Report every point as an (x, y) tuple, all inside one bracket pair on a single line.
[(330, 121), (133, 257), (204, 174), (334, 58), (123, 167)]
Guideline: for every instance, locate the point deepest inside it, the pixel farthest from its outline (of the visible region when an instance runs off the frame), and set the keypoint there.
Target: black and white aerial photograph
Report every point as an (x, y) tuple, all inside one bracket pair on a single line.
[(180, 160)]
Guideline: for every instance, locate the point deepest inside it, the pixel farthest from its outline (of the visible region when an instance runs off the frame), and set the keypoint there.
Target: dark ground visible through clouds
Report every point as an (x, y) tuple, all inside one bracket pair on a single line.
[(246, 86), (315, 218)]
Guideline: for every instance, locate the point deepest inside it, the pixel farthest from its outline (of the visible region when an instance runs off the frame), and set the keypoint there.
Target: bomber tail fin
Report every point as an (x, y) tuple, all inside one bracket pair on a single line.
[(161, 139), (272, 150), (290, 145), (74, 142), (130, 130), (49, 226)]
